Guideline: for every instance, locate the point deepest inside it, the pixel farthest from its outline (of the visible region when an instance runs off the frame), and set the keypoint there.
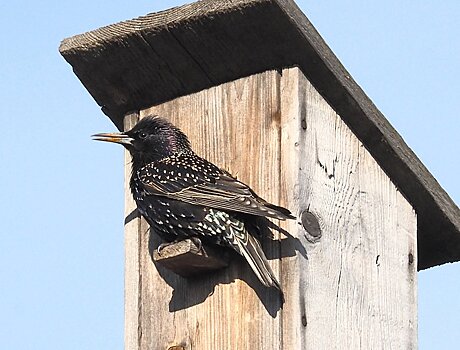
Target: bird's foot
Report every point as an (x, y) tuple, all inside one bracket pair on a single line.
[(195, 240)]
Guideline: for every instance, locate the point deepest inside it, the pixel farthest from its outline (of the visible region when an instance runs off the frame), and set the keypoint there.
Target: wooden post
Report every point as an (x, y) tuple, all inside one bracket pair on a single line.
[(349, 278)]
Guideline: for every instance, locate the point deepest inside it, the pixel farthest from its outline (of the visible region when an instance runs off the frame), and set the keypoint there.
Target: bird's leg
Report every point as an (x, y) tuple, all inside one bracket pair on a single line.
[(197, 242)]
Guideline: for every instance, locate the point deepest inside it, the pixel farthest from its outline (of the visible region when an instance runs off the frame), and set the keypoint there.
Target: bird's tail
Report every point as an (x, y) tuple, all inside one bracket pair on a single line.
[(250, 248)]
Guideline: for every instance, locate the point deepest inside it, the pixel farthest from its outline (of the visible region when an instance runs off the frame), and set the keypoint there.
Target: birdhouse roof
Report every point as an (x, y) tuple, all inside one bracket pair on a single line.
[(141, 62)]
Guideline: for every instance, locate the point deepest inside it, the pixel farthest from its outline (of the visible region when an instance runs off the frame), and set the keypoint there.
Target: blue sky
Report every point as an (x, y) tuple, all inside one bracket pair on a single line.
[(61, 232)]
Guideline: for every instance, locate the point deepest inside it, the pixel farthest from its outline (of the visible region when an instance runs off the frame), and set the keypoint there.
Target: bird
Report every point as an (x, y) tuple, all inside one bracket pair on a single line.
[(182, 195)]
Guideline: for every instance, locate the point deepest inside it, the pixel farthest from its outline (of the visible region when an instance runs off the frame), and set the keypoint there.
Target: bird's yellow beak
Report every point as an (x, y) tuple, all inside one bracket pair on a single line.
[(113, 137)]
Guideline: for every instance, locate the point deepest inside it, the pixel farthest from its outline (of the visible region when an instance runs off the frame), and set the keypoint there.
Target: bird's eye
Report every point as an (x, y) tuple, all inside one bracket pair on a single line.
[(142, 135)]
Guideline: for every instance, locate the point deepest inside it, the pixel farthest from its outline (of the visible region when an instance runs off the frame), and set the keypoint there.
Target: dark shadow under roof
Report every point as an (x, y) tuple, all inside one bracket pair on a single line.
[(152, 59)]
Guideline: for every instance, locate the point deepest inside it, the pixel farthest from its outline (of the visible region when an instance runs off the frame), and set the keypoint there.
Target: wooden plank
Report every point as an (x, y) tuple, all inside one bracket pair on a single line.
[(357, 289), (158, 57), (132, 267), (236, 126)]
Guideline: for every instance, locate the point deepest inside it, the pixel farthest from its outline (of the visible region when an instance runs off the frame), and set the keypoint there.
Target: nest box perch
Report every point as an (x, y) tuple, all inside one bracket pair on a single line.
[(187, 259)]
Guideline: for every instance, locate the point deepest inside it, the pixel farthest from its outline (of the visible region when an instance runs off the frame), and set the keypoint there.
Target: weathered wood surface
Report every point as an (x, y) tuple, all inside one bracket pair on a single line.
[(353, 288), (357, 290), (237, 127), (158, 57)]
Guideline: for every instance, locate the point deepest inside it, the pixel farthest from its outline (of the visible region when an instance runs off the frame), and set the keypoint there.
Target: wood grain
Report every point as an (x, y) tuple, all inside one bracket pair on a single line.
[(357, 289), (158, 57)]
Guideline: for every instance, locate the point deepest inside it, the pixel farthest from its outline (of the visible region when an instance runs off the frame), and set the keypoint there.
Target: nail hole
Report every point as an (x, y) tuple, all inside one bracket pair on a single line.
[(304, 320), (411, 258), (303, 123)]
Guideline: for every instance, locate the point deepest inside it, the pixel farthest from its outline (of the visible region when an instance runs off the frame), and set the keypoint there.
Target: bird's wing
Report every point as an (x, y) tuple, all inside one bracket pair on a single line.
[(202, 183)]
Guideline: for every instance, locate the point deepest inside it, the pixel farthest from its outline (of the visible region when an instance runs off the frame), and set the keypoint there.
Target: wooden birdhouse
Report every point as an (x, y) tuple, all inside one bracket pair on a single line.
[(260, 94)]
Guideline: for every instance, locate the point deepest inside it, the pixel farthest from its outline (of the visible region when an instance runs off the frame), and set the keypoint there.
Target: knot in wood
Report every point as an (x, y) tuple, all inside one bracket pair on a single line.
[(311, 225)]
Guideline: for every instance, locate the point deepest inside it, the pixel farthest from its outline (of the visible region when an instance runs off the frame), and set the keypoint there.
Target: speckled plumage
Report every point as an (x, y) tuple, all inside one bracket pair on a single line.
[(183, 195)]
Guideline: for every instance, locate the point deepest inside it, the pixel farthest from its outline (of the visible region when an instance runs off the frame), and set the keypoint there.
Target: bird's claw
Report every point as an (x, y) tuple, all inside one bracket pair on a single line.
[(164, 245)]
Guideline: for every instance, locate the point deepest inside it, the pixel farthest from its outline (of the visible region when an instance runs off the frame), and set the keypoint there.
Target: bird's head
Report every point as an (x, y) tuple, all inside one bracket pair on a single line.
[(151, 139)]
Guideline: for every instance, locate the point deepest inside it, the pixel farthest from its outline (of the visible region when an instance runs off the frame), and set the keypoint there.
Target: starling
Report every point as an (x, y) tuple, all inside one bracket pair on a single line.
[(182, 195)]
